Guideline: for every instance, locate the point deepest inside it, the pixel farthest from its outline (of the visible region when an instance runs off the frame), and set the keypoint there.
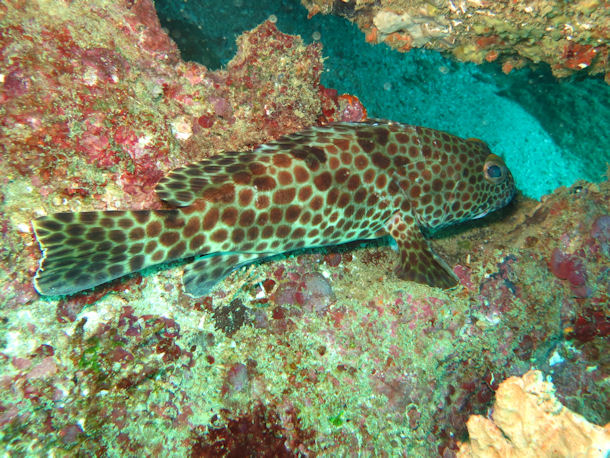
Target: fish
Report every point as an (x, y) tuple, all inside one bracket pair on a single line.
[(326, 185)]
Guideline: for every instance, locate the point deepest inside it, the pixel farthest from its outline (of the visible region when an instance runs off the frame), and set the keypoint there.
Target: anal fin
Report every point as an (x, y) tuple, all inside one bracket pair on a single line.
[(203, 273), (418, 262)]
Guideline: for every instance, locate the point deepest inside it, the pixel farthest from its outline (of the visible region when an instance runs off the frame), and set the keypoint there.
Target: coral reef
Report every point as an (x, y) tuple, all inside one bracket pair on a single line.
[(529, 421), (319, 352), (569, 36)]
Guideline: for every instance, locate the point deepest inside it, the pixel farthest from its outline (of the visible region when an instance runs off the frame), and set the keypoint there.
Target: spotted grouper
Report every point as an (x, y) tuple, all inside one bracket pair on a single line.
[(323, 186)]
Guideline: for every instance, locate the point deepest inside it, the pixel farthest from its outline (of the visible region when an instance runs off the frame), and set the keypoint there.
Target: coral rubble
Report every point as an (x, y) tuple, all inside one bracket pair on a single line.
[(529, 421), (319, 352), (569, 36)]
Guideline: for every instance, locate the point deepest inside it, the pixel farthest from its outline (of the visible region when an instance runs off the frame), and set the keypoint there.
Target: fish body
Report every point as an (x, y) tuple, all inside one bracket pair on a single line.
[(323, 186)]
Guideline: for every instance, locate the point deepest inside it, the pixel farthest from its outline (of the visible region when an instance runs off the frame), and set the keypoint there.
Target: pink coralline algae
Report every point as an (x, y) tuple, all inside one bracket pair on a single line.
[(259, 430), (236, 379), (499, 292), (15, 84), (71, 433), (600, 231), (351, 109), (143, 22), (82, 115), (312, 292), (570, 268), (46, 367), (340, 108), (103, 65), (591, 324), (205, 121)]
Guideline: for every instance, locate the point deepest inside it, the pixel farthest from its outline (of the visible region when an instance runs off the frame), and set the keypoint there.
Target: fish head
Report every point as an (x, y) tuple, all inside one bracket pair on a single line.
[(469, 184)]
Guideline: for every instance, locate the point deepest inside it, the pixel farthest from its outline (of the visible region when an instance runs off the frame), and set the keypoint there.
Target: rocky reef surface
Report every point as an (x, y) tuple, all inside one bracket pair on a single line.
[(569, 36), (320, 352)]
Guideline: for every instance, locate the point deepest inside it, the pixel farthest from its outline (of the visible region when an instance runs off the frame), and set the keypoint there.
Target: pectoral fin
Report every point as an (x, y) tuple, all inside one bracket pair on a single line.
[(418, 262)]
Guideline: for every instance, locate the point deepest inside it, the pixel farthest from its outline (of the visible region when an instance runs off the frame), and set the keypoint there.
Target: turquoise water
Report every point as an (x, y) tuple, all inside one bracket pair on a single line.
[(551, 133)]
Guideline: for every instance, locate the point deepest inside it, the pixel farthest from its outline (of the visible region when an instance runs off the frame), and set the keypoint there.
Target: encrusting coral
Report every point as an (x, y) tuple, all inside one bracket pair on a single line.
[(528, 420)]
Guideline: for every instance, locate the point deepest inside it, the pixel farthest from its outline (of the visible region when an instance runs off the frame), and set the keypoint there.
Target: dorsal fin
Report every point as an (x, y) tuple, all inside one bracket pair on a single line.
[(184, 185)]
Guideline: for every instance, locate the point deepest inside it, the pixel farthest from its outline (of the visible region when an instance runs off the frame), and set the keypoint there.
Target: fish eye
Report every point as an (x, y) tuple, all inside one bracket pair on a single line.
[(494, 169)]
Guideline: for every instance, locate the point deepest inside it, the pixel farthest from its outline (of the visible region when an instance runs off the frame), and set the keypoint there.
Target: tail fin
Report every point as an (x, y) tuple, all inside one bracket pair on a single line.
[(83, 250)]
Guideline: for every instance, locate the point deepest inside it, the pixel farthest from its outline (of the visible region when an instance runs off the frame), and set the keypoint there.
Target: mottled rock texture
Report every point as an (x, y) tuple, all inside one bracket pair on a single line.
[(571, 37)]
